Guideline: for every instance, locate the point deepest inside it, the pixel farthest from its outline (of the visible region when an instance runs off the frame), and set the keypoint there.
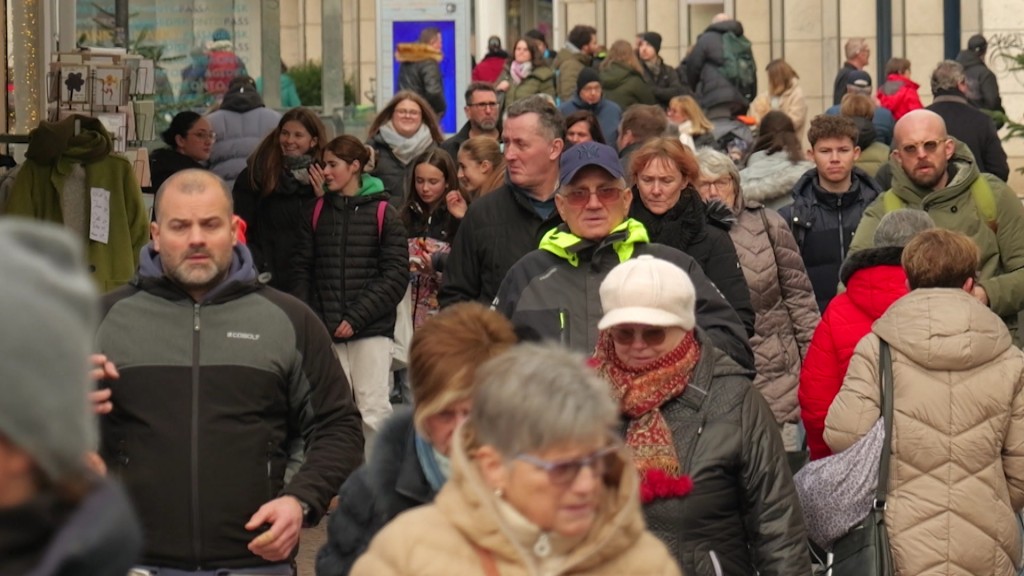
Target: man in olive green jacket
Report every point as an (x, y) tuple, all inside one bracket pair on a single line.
[(938, 174)]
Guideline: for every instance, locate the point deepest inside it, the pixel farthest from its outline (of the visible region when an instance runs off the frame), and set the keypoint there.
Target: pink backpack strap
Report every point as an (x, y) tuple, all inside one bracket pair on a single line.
[(317, 209), (382, 206)]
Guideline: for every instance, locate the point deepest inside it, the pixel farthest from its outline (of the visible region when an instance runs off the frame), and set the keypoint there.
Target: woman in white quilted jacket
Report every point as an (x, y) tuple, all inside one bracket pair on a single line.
[(957, 471)]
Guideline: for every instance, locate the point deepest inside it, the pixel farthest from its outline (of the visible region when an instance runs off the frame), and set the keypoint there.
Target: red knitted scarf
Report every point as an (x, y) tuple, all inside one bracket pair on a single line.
[(641, 392)]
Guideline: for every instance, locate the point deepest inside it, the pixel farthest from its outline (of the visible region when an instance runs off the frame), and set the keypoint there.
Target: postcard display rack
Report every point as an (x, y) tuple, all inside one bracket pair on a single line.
[(114, 87)]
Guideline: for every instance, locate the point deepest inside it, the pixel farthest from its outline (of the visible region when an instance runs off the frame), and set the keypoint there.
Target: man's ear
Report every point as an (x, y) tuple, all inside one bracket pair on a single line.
[(856, 153), (950, 147), (154, 235), (557, 146), (810, 154)]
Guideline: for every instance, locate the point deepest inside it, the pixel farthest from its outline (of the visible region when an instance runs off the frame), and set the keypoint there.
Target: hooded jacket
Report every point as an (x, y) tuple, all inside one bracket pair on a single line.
[(823, 225), (664, 81), (957, 472), (743, 515), (498, 229), (568, 64), (702, 69), (449, 536), (625, 86), (954, 208), (98, 536), (686, 228), (874, 279), (769, 179), (347, 269), (419, 71), (899, 95), (975, 129), (608, 114), (554, 291), (54, 184), (208, 404), (241, 123), (783, 301), (390, 483), (982, 84)]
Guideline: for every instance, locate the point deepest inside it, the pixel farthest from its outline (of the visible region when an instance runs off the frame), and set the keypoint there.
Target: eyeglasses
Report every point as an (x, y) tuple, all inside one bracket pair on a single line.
[(652, 336), (564, 472), (579, 197), (591, 87), (483, 105), (203, 135), (720, 184), (408, 113), (929, 146)]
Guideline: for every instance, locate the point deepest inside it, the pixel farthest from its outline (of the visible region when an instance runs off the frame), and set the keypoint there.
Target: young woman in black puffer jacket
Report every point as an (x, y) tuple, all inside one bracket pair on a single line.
[(352, 268)]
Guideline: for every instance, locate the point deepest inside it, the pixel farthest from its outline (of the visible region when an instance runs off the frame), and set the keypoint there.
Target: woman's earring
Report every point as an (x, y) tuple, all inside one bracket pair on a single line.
[(499, 493)]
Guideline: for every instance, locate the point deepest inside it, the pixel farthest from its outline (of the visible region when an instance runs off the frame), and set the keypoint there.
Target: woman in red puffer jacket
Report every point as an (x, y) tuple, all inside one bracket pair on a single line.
[(899, 93), (874, 279)]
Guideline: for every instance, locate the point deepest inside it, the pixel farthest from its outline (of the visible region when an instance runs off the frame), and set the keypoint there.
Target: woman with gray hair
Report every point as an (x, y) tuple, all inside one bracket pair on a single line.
[(785, 311), (539, 484), (693, 421), (874, 279)]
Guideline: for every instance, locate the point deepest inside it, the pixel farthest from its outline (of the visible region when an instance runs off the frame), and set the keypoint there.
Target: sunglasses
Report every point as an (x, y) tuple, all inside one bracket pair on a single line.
[(652, 336), (564, 472), (580, 197), (929, 146)]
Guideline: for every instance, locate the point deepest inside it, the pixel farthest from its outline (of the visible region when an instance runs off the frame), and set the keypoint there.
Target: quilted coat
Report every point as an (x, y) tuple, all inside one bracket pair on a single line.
[(874, 279), (769, 178), (957, 471), (466, 521), (784, 305)]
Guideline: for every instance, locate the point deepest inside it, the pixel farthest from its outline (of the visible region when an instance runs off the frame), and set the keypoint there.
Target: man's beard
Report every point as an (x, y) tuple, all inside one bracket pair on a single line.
[(197, 276), (486, 125), (930, 182)]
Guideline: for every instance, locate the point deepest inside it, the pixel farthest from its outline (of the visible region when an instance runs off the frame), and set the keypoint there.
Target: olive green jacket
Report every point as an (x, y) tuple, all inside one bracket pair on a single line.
[(954, 208)]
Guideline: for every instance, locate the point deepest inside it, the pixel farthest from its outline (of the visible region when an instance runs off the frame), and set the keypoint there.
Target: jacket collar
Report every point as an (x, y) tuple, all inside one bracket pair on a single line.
[(962, 172), (241, 279), (808, 190), (622, 239), (869, 258)]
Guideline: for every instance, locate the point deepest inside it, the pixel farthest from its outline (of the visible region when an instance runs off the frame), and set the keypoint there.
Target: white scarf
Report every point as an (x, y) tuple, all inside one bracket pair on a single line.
[(406, 149)]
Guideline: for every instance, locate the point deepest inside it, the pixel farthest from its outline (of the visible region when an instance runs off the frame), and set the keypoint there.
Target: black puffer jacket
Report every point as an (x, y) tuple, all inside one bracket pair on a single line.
[(823, 225), (743, 513), (685, 227), (664, 81), (347, 269), (389, 484), (163, 163), (702, 70), (390, 170), (273, 223)]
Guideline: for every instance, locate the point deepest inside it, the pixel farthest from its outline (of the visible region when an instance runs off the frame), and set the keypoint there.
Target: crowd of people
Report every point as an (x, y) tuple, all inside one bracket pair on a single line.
[(596, 331)]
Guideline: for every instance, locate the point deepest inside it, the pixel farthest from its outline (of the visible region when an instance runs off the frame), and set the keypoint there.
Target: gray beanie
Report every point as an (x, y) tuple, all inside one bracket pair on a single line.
[(49, 308), (897, 227)]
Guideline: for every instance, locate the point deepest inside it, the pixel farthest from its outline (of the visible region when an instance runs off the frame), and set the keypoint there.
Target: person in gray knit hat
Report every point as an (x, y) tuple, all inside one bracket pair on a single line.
[(56, 516)]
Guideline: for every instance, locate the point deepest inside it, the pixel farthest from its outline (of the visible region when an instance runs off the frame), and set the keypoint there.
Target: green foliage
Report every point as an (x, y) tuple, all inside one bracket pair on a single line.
[(308, 78)]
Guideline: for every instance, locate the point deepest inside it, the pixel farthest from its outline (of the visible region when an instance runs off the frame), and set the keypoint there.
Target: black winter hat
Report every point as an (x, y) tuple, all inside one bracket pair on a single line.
[(654, 39), (587, 75)]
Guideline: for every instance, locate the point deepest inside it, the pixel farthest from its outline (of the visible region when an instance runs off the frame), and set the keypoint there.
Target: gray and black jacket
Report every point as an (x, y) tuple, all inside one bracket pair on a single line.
[(209, 398), (553, 292)]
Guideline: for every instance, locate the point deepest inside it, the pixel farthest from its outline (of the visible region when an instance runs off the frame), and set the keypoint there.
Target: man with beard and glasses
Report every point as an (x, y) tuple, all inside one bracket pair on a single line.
[(213, 377), (481, 117), (936, 173)]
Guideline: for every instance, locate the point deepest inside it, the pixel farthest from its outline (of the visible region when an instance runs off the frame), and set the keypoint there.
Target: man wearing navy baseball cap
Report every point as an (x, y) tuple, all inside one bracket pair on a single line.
[(553, 290)]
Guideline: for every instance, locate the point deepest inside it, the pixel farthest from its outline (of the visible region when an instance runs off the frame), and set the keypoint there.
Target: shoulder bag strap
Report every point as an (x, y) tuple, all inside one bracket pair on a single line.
[(382, 206), (317, 209), (885, 371)]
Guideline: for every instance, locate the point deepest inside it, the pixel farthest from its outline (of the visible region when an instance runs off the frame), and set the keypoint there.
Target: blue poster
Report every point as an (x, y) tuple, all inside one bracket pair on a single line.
[(403, 32)]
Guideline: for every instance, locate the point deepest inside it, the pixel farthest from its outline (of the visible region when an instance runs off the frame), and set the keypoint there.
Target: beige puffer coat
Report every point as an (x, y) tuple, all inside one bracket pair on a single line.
[(957, 470), (783, 301), (447, 537)]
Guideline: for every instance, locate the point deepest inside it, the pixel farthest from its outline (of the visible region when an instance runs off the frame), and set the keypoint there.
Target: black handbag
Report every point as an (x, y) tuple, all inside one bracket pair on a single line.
[(864, 551)]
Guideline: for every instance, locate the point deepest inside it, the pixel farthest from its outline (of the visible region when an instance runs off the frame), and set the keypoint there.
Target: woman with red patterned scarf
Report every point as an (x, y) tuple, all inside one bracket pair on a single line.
[(715, 483)]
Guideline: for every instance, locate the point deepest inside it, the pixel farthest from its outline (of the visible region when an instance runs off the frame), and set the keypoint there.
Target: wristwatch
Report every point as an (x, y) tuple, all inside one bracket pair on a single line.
[(305, 512)]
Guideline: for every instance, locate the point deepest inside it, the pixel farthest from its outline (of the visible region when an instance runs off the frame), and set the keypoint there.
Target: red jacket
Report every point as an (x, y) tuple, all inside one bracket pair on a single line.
[(489, 69), (874, 280), (899, 95)]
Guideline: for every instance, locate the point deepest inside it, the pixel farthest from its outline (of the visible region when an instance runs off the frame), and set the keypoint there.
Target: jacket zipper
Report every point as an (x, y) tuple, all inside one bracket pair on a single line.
[(700, 430), (842, 231), (196, 536)]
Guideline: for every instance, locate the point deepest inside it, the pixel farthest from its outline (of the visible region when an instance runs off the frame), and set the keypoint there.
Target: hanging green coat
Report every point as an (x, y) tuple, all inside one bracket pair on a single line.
[(50, 171), (955, 208), (625, 86)]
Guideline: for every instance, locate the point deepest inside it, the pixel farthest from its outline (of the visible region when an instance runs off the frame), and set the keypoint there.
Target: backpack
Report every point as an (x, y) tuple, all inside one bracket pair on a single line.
[(381, 207), (738, 65), (981, 192)]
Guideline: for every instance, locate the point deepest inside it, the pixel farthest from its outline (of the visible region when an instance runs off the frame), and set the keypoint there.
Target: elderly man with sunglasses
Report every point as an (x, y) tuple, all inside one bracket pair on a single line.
[(936, 173), (553, 291)]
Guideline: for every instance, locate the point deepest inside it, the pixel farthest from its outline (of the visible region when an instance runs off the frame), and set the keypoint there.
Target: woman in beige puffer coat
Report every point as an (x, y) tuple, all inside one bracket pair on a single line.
[(957, 472), (780, 291)]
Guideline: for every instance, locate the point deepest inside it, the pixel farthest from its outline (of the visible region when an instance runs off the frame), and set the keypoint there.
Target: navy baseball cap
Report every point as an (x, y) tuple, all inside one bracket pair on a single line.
[(584, 154)]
